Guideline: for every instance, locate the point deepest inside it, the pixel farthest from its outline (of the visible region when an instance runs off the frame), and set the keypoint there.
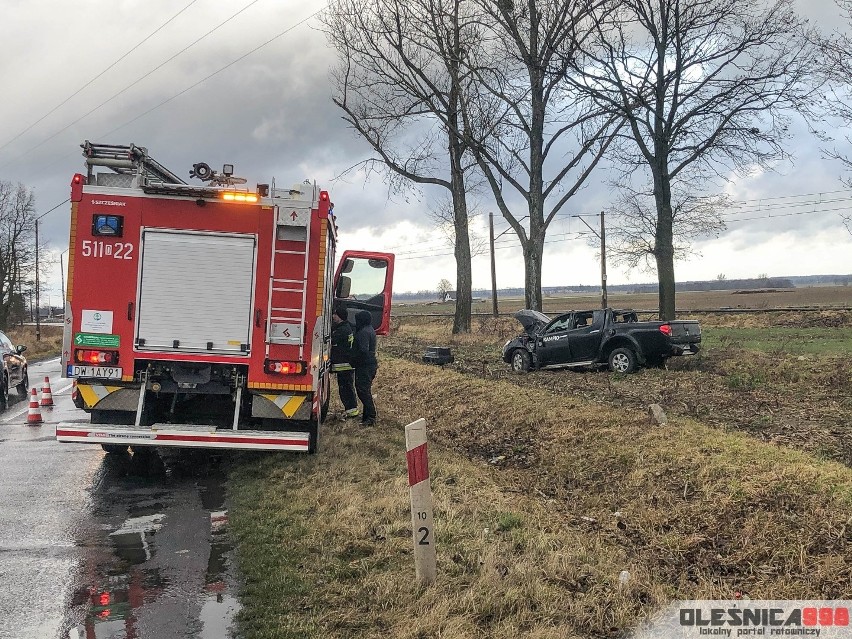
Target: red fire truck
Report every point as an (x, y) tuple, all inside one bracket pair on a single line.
[(200, 315)]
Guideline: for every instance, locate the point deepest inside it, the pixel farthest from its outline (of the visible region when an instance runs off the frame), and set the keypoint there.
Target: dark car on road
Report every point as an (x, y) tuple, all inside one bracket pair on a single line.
[(602, 337), (14, 371)]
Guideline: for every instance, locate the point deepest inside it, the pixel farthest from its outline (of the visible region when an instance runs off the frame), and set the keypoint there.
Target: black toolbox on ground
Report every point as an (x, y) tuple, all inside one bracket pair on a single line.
[(438, 355)]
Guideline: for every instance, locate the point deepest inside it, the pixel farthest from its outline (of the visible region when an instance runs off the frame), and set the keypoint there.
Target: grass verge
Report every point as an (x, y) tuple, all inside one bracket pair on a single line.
[(783, 340), (542, 500), (50, 344)]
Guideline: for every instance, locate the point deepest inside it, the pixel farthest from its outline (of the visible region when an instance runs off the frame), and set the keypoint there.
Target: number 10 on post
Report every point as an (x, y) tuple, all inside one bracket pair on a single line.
[(420, 488)]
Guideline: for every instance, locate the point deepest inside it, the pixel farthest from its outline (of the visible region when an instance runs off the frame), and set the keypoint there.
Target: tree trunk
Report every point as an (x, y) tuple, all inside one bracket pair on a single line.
[(464, 277), (533, 249), (664, 245), (464, 284)]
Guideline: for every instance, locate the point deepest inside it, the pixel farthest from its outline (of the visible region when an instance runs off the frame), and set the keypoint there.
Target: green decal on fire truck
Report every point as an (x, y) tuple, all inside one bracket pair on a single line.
[(93, 339)]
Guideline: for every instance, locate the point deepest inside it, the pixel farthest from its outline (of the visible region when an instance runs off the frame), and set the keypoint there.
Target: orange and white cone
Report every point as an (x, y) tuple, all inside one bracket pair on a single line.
[(34, 414), (46, 394)]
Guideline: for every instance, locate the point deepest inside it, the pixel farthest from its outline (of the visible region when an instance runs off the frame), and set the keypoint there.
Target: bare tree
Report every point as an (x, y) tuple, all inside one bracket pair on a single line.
[(704, 85), (399, 83), (444, 287), (17, 228), (837, 49), (632, 231), (529, 133), (443, 215)]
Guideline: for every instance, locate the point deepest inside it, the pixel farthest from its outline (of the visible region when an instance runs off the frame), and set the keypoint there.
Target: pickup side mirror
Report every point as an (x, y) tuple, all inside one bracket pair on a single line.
[(20, 348)]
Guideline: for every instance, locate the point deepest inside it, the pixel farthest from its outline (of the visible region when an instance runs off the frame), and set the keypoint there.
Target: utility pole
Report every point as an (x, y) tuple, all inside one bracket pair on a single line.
[(21, 295), (38, 312), (602, 237), (603, 263), (493, 265), (62, 279)]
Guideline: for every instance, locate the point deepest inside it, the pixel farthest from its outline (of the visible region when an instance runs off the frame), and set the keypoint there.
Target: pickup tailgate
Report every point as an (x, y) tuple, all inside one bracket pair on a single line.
[(685, 332)]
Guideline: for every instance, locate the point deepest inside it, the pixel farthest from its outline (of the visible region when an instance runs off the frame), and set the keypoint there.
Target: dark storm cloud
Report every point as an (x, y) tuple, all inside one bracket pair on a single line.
[(269, 114)]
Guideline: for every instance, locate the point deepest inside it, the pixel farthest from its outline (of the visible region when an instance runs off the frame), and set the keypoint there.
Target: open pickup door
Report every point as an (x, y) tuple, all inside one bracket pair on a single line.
[(364, 281)]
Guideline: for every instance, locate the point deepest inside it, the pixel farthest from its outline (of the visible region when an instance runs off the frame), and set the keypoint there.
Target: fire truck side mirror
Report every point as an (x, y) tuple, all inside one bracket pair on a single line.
[(344, 285)]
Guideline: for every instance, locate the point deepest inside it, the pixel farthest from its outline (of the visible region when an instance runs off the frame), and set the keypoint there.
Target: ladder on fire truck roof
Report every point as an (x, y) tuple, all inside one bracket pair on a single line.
[(128, 159)]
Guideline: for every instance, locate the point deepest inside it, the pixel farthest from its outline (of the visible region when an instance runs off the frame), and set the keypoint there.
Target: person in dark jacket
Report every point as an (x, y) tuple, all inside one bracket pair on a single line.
[(365, 363), (342, 341)]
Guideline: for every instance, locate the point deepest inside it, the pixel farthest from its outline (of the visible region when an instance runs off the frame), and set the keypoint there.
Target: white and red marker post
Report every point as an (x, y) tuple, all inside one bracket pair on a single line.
[(420, 487)]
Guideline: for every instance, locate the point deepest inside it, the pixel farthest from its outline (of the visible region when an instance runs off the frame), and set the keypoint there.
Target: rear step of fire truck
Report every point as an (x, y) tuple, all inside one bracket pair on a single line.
[(182, 435)]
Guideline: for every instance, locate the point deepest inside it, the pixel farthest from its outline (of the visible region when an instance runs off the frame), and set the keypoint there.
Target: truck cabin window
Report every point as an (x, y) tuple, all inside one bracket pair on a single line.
[(560, 324), (364, 280)]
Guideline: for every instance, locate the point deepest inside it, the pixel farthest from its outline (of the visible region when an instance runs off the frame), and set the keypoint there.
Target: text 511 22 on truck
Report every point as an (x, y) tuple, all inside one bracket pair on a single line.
[(200, 315), (598, 338)]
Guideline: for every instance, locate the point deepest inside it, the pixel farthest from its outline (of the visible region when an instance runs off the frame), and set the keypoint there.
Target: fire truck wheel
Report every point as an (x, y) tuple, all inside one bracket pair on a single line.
[(326, 396), (114, 449), (313, 437)]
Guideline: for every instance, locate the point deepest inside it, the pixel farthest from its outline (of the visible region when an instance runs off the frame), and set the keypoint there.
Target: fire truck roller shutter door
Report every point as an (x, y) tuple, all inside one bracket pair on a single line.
[(196, 289)]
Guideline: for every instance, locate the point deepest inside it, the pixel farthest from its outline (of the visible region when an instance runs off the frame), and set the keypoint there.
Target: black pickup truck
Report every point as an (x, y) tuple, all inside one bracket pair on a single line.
[(595, 338)]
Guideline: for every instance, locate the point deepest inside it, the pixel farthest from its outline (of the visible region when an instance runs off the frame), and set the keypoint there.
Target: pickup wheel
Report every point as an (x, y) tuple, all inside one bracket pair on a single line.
[(656, 362), (622, 360), (521, 360)]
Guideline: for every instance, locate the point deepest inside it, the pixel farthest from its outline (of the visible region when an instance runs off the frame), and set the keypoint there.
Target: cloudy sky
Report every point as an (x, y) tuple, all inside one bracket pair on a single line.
[(247, 83)]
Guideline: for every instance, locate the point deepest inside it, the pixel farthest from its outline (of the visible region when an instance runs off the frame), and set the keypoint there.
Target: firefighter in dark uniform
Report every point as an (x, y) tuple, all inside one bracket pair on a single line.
[(366, 364), (342, 341)]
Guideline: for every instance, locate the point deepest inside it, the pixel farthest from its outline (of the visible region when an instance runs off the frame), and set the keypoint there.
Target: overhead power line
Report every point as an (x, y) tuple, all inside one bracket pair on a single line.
[(564, 237), (218, 71), (134, 83), (777, 215), (90, 82)]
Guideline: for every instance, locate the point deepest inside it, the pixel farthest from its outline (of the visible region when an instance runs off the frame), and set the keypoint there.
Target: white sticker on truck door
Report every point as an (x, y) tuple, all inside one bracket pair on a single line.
[(96, 322)]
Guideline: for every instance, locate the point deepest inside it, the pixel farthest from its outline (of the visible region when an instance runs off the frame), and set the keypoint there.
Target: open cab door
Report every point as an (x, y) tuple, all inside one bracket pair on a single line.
[(364, 281)]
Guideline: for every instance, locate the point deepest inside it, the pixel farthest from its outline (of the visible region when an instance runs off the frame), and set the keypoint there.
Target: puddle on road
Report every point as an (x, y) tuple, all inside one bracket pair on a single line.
[(166, 568)]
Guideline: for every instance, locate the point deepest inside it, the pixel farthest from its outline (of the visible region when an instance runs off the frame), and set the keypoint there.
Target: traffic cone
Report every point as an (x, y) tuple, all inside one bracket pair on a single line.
[(46, 395), (34, 414)]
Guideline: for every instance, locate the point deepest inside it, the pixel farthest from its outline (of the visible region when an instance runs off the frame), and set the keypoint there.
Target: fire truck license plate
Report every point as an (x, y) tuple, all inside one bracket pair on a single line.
[(96, 371)]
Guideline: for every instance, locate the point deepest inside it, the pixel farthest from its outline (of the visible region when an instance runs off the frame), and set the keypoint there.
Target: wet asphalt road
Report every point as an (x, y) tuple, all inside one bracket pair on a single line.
[(108, 546)]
